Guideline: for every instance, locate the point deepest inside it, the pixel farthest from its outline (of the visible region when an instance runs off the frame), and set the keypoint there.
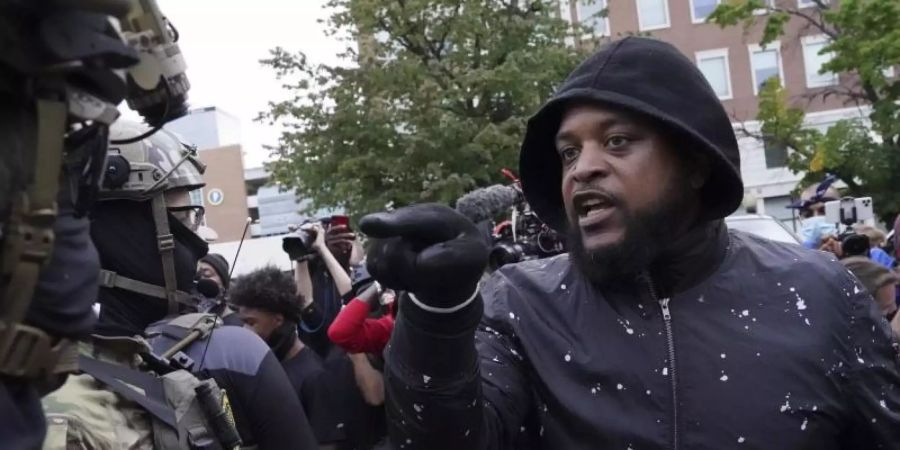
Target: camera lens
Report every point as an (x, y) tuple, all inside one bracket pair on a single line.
[(505, 253)]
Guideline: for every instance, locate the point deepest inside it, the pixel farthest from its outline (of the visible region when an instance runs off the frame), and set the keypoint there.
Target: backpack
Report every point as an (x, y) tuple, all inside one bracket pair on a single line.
[(187, 412)]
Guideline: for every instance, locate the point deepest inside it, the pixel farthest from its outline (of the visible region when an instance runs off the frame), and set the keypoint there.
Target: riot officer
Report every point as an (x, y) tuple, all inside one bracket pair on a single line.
[(144, 228), (55, 109)]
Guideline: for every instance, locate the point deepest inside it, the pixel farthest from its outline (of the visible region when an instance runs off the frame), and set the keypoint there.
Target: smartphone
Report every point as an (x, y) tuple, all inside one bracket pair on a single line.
[(340, 221), (849, 210)]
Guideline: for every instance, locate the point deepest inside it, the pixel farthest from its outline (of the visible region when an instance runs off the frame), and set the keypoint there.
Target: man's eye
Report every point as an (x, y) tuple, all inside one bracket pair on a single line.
[(568, 154), (617, 141)]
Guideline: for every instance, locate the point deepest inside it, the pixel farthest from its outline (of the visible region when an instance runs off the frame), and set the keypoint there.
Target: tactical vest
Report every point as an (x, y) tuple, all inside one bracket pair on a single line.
[(187, 412)]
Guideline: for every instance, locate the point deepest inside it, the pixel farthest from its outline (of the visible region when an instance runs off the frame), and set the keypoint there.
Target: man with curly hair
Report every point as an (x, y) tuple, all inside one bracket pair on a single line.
[(268, 303)]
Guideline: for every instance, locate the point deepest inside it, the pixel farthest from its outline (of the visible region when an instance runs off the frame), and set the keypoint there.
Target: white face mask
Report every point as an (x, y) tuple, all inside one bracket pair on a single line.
[(815, 228)]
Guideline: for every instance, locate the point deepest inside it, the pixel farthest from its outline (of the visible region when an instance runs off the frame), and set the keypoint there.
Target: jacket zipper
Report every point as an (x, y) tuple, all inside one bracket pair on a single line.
[(667, 320)]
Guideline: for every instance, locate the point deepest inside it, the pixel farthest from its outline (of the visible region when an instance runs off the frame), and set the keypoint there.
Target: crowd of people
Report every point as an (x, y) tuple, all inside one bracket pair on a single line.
[(660, 328)]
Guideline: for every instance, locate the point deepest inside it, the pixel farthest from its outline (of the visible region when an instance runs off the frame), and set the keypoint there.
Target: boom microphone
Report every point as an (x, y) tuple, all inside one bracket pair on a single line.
[(486, 203)]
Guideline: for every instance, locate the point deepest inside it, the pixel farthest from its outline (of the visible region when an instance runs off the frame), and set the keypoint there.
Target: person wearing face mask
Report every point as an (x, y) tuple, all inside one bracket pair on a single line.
[(214, 268), (268, 304), (813, 226), (144, 227)]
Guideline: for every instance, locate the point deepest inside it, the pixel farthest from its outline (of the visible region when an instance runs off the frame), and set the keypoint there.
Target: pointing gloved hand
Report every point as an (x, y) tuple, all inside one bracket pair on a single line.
[(430, 250)]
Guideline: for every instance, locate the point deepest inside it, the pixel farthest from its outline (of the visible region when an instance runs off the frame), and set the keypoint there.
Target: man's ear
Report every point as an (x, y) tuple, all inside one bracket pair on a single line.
[(279, 319)]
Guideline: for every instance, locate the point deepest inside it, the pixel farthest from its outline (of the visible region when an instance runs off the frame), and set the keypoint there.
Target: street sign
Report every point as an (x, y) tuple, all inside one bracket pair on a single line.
[(215, 197)]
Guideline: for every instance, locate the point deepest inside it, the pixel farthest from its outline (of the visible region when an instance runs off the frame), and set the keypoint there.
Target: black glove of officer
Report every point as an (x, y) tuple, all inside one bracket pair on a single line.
[(430, 250)]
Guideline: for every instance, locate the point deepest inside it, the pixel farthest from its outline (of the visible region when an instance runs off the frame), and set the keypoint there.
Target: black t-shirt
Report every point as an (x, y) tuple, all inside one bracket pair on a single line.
[(306, 373), (363, 425)]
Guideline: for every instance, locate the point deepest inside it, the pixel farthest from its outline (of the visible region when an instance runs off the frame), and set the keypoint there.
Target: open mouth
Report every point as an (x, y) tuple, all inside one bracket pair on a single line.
[(591, 204)]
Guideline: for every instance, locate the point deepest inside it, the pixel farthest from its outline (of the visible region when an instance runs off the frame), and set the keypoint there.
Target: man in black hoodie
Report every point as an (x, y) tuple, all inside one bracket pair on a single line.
[(660, 329)]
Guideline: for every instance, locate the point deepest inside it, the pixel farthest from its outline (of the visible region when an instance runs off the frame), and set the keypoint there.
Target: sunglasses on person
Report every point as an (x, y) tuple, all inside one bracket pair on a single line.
[(191, 215)]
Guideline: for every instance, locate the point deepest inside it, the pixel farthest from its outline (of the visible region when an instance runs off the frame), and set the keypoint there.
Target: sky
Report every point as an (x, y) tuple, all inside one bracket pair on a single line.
[(223, 41)]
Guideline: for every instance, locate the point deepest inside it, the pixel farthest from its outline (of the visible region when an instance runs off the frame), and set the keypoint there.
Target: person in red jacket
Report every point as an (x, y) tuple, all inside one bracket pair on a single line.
[(355, 332)]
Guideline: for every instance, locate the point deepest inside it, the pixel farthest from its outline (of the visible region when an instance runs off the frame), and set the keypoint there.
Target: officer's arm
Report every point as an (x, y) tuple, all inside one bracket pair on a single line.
[(453, 387)]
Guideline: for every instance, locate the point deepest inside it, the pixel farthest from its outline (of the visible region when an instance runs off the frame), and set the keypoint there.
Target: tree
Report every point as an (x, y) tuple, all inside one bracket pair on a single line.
[(433, 104), (864, 40)]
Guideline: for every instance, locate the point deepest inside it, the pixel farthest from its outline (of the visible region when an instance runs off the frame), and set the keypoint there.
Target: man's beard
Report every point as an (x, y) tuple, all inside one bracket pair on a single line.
[(647, 233)]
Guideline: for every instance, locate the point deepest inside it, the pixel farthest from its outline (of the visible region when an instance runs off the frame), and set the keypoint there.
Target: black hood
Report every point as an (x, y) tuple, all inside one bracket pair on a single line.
[(651, 78)]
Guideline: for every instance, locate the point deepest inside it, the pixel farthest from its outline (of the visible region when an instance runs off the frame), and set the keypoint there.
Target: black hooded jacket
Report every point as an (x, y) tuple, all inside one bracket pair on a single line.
[(724, 341), (779, 348)]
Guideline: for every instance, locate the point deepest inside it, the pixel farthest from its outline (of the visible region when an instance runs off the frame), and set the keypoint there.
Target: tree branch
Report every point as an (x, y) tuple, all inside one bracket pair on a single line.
[(818, 24)]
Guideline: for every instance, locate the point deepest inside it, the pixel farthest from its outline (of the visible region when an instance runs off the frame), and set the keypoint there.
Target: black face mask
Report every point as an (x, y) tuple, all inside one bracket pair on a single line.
[(125, 236), (282, 339)]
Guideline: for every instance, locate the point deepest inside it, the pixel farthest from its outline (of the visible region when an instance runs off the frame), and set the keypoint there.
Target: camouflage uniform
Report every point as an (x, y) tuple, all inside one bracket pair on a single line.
[(84, 414)]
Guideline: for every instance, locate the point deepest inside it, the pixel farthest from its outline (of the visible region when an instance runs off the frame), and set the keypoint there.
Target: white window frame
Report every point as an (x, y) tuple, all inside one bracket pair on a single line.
[(694, 18), (753, 48), (763, 11), (717, 53), (641, 26), (808, 3), (565, 12), (581, 20), (813, 40)]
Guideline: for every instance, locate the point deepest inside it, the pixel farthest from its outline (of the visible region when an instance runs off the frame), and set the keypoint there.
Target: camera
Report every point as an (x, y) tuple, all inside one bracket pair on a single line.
[(849, 211), (524, 237), (298, 243)]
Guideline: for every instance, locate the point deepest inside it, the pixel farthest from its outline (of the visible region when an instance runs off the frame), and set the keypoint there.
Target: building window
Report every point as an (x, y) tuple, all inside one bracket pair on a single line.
[(768, 4), (592, 14), (765, 63), (814, 59), (652, 14), (776, 154), (810, 3), (714, 65), (700, 9)]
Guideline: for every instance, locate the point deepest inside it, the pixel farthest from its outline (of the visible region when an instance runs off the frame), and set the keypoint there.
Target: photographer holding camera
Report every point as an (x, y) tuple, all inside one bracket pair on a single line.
[(321, 272), (321, 279)]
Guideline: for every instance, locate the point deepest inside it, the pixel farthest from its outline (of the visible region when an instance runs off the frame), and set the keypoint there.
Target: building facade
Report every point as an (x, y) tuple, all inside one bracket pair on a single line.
[(736, 66), (208, 127)]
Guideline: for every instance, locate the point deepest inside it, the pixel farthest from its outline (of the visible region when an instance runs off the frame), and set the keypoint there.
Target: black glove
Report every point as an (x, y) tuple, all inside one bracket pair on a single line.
[(429, 249)]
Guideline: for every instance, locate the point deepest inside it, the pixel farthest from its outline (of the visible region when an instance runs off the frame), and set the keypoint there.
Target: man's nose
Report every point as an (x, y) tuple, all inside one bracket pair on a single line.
[(592, 163)]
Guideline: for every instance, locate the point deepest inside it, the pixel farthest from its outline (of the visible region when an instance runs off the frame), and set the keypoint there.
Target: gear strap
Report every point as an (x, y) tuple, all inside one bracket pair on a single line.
[(27, 351), (166, 244), (120, 379), (112, 280)]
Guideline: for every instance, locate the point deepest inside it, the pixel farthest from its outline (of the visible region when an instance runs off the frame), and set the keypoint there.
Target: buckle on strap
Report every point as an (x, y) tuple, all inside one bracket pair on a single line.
[(28, 352), (107, 278), (165, 242), (36, 233)]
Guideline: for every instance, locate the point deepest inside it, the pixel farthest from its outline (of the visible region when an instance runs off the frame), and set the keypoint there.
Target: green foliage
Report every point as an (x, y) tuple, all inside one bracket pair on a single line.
[(433, 104), (865, 41)]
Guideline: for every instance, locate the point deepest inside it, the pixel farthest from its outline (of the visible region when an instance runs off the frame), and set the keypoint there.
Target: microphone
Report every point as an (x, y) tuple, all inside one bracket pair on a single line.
[(207, 288), (486, 203)]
